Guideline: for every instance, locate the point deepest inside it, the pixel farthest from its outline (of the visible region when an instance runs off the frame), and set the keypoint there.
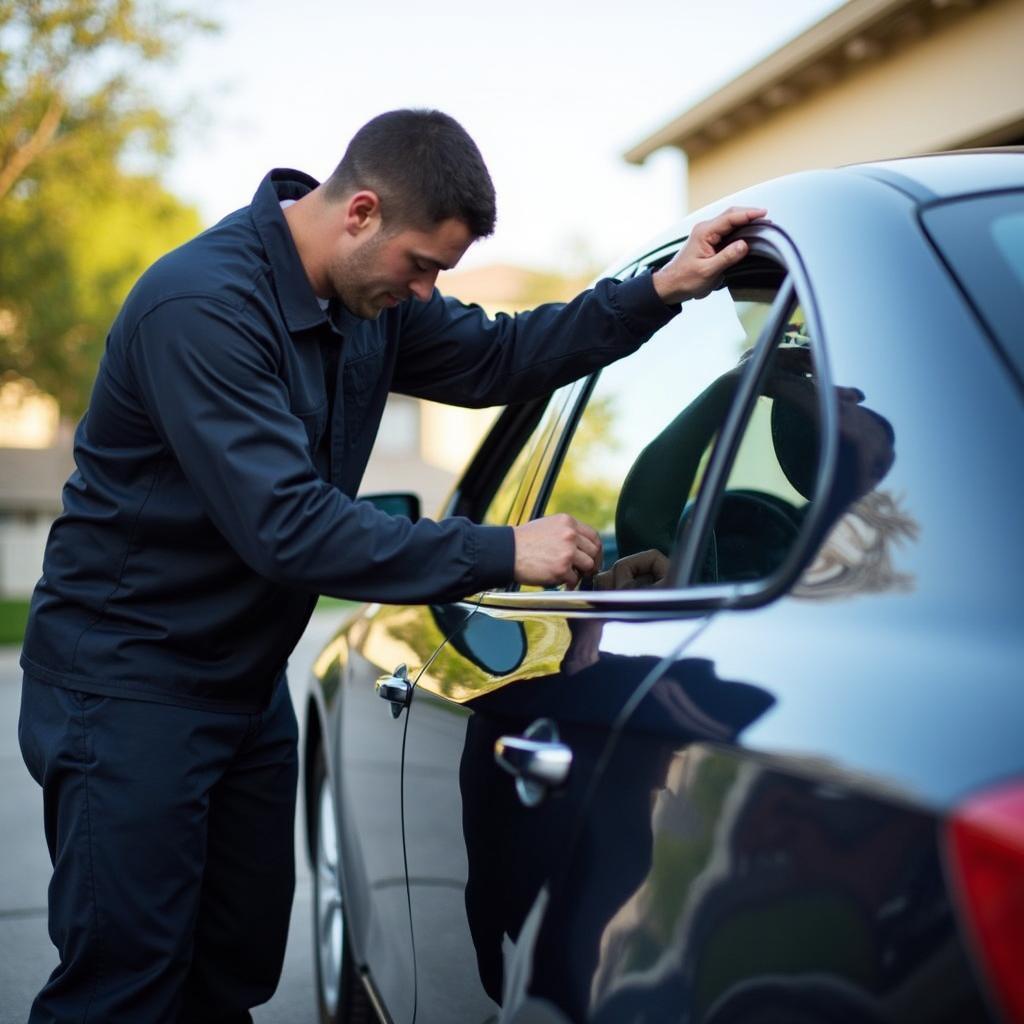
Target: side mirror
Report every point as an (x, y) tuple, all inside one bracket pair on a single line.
[(397, 503)]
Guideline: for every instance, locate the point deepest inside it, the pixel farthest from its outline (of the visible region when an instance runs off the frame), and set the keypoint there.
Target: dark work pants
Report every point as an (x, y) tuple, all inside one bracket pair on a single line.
[(171, 833)]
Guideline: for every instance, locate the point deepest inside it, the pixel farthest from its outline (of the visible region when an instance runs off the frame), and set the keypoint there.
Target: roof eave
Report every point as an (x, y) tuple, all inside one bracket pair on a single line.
[(843, 25)]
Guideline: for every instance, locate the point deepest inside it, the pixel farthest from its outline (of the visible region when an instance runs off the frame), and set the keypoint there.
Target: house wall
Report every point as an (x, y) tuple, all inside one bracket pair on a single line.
[(963, 85)]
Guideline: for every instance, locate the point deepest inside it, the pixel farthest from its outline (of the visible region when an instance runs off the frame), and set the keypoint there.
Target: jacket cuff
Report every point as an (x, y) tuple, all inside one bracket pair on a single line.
[(495, 556), (640, 306)]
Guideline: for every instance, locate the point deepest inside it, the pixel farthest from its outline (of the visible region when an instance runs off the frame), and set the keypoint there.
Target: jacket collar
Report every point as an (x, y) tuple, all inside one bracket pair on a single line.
[(294, 292)]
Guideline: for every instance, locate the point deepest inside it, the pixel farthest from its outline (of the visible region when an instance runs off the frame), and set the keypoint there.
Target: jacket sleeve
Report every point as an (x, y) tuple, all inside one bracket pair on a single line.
[(212, 391), (454, 353)]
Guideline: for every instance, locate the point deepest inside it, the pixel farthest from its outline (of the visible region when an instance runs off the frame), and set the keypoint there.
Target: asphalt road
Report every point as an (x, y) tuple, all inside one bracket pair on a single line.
[(26, 954)]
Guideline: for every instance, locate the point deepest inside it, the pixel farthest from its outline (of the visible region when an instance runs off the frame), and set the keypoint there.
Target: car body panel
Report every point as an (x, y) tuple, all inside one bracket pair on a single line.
[(369, 800), (753, 828), (956, 174), (799, 870), (757, 890), (471, 887)]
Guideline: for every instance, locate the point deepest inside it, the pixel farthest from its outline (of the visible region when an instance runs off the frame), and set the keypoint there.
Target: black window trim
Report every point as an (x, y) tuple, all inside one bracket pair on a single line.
[(765, 240), (568, 408), (776, 245), (505, 439), (691, 545)]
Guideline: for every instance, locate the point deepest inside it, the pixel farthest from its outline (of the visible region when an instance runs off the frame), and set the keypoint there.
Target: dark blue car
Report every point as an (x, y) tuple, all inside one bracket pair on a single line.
[(767, 766)]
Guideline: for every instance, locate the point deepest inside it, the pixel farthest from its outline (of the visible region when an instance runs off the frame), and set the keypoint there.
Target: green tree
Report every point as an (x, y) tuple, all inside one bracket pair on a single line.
[(65, 267), (76, 227)]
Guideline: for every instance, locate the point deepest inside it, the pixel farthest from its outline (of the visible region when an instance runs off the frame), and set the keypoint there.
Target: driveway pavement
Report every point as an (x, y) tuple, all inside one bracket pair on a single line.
[(26, 954)]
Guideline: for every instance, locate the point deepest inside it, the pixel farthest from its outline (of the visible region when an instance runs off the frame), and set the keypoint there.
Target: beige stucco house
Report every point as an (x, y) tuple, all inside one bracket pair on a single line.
[(874, 79)]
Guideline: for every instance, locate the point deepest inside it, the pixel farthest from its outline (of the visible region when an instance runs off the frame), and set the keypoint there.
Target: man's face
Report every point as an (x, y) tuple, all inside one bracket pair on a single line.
[(389, 266)]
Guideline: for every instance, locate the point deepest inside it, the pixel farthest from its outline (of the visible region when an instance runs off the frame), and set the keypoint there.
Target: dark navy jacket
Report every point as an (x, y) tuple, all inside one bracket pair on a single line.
[(213, 500)]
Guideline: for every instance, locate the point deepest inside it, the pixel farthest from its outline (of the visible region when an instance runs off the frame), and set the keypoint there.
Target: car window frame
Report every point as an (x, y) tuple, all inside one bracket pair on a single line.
[(775, 245), (523, 507), (690, 544), (685, 597)]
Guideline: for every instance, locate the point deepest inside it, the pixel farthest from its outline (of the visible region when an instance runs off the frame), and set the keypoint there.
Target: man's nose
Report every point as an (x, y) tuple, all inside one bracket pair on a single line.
[(423, 286)]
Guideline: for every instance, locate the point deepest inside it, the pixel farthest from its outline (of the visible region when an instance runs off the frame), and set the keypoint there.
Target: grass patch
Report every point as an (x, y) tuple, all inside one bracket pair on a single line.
[(334, 603), (13, 616)]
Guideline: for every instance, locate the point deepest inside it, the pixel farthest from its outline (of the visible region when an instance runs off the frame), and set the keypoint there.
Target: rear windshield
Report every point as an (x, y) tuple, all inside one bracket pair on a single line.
[(982, 239)]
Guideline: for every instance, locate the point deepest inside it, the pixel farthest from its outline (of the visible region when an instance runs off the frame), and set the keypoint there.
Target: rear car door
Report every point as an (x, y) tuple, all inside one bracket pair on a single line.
[(550, 672)]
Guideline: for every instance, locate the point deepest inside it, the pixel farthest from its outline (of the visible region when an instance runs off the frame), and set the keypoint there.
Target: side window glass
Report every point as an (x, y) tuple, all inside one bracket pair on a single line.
[(519, 488), (638, 454), (774, 473), (519, 481)]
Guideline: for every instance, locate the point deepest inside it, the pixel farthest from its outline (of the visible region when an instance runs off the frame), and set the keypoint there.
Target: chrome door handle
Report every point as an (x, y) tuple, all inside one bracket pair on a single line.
[(537, 760), (548, 763), (395, 689)]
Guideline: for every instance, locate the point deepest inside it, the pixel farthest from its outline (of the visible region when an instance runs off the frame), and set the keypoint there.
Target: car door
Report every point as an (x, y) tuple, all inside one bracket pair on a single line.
[(398, 641), (550, 671), (784, 862)]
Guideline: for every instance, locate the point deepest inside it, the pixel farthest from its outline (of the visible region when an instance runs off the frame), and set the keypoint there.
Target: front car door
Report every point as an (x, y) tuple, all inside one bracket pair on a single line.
[(366, 739)]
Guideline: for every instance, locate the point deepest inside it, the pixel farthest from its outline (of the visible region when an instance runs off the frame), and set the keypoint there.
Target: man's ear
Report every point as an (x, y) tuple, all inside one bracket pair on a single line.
[(362, 212)]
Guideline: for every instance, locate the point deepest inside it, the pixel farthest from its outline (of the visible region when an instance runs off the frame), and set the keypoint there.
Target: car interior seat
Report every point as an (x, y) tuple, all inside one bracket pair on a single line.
[(754, 530)]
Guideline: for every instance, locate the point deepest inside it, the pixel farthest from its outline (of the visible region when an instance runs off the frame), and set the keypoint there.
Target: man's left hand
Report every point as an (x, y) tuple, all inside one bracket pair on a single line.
[(642, 569), (698, 267)]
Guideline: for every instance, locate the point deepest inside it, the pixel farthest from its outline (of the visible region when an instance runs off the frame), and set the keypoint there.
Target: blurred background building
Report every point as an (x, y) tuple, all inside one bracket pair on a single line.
[(874, 79)]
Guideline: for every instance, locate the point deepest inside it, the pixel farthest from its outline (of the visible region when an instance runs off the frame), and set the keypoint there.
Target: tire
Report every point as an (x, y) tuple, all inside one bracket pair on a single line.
[(341, 997)]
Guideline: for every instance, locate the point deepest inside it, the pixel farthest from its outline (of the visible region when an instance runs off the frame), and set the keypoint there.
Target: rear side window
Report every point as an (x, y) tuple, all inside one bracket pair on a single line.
[(982, 240)]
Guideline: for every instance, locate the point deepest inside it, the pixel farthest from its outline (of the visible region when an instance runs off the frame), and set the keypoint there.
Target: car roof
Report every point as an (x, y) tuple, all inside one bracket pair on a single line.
[(924, 179), (945, 175)]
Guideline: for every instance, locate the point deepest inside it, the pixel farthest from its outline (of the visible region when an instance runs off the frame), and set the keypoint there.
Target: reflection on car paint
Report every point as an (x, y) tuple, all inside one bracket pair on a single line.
[(751, 872), (859, 554)]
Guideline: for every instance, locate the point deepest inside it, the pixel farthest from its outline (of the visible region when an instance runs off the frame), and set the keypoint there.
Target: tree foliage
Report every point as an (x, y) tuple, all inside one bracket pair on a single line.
[(77, 227)]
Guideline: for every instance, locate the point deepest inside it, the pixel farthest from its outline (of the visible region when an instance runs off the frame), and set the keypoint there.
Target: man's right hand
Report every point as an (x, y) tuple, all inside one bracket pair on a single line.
[(556, 549)]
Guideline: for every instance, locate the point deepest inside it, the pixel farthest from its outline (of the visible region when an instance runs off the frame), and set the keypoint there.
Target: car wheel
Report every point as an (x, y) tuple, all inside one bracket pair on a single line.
[(341, 997)]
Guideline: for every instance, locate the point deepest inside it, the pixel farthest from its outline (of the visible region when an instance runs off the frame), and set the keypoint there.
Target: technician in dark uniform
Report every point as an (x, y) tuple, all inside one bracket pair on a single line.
[(217, 466)]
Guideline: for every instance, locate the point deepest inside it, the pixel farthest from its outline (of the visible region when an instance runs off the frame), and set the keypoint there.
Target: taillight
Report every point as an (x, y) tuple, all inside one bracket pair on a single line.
[(986, 842)]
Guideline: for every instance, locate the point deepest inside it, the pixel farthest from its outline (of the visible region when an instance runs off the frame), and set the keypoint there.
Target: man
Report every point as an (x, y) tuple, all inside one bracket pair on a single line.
[(230, 423)]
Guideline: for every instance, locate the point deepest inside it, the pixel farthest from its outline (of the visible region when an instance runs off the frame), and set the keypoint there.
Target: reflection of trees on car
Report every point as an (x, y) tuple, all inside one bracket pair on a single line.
[(676, 860), (751, 878), (508, 848), (664, 789)]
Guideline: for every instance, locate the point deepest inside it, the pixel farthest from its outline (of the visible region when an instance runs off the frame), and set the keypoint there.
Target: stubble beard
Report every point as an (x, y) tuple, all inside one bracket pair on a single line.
[(352, 284)]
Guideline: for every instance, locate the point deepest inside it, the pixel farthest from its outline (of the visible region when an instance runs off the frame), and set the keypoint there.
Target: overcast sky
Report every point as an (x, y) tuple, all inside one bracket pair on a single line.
[(553, 91)]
